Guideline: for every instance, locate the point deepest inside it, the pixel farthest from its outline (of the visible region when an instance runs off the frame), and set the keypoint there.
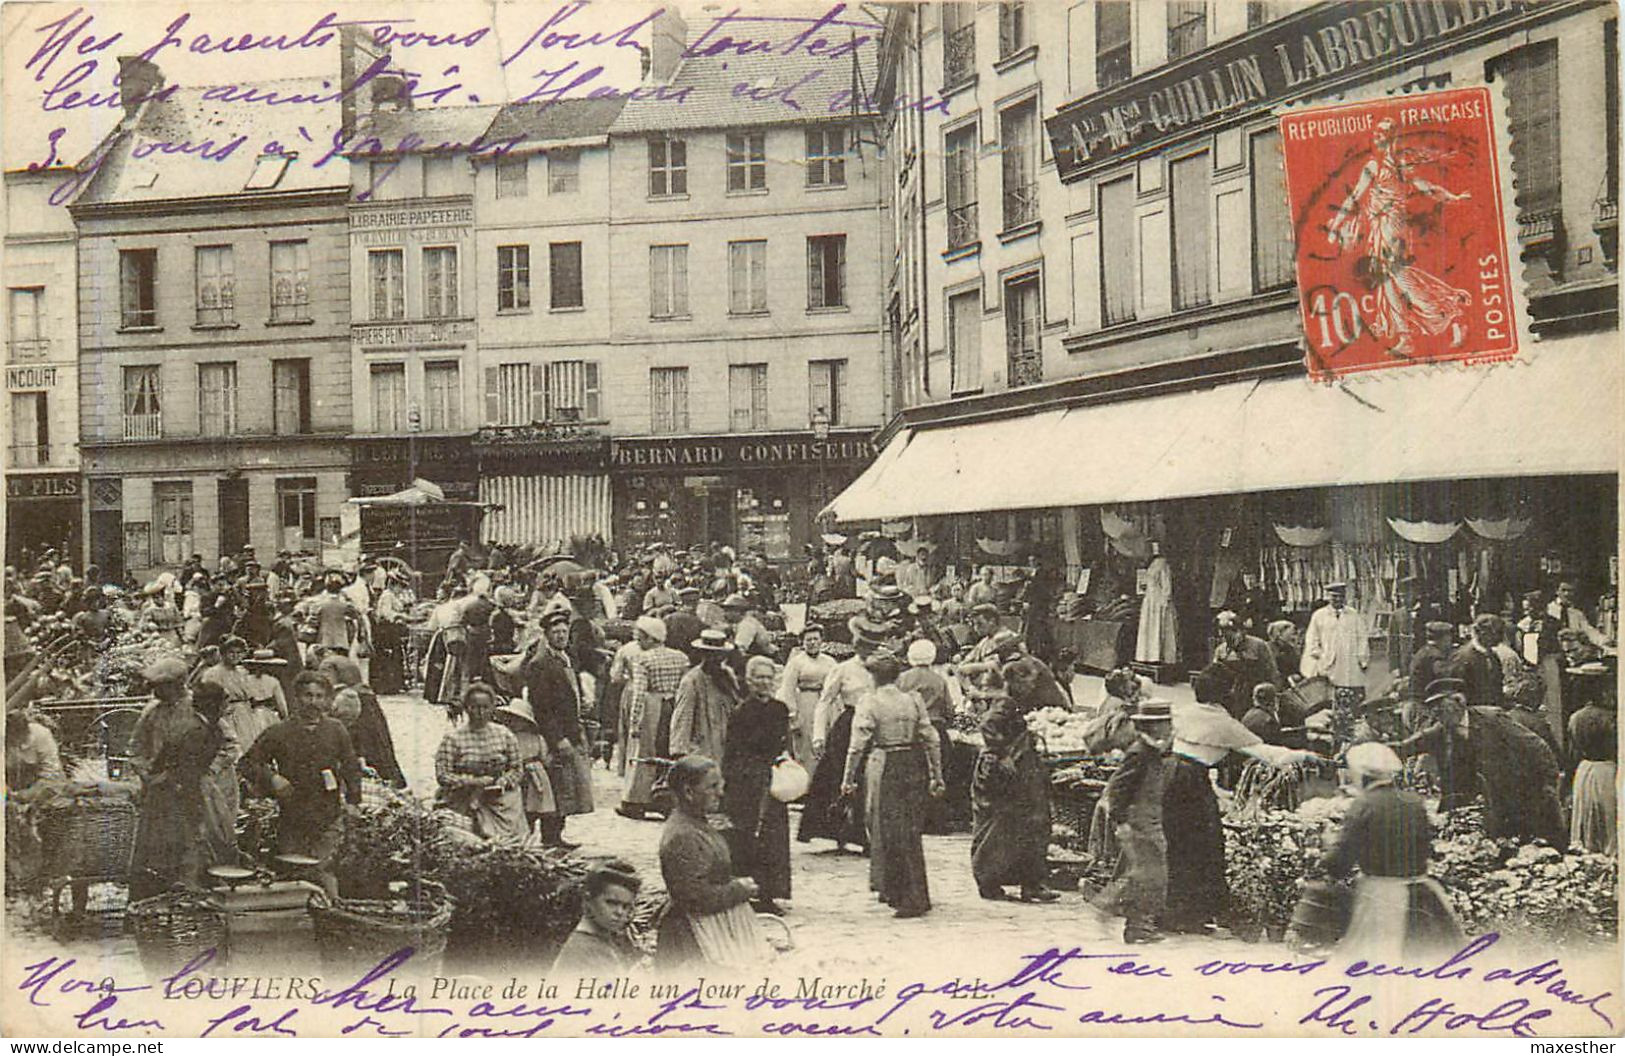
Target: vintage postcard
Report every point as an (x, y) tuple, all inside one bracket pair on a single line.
[(1066, 518)]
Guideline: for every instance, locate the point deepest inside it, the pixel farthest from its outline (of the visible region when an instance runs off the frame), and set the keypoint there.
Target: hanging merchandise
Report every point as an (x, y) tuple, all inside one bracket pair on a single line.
[(1293, 535), (1426, 533), (999, 547), (1502, 530), (1158, 641)]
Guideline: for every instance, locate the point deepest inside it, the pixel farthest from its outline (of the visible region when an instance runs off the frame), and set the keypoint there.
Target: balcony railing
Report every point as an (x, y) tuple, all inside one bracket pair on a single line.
[(29, 348), (962, 226), (1020, 205), (144, 426), (30, 456), (959, 56)]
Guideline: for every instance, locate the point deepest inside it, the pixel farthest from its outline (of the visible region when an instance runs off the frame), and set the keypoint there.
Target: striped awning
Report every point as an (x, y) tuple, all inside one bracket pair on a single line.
[(546, 510)]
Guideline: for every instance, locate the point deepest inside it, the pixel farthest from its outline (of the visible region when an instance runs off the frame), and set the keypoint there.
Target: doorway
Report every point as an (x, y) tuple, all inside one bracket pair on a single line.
[(233, 514)]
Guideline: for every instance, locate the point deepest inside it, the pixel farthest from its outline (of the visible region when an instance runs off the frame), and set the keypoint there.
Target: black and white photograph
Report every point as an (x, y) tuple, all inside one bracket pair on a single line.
[(586, 518)]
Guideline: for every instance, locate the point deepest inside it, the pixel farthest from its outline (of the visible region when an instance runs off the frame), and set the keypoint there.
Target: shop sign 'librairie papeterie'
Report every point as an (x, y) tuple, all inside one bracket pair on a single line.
[(1401, 247), (1289, 58)]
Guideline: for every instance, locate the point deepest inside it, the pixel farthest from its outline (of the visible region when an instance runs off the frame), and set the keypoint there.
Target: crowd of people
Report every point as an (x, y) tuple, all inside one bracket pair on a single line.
[(711, 694)]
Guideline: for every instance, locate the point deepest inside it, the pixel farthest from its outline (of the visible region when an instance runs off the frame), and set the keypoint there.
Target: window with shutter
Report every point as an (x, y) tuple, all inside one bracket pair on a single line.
[(443, 397), (1190, 207), (172, 520), (142, 413), (1012, 28), (388, 397), (826, 271), (26, 339), (1273, 242), (958, 43), (1531, 92), (439, 282), (217, 399), (747, 397), (965, 341), (668, 399), (668, 282), (1018, 147), (387, 272), (513, 278), (290, 281), (513, 399), (826, 390), (138, 281), (747, 277), (564, 275), (215, 281), (1022, 311), (290, 396), (1114, 42), (959, 171), (1117, 258)]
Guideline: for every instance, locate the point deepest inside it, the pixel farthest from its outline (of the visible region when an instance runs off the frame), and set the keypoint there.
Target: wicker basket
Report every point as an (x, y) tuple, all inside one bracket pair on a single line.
[(88, 837), (174, 928), (354, 934)]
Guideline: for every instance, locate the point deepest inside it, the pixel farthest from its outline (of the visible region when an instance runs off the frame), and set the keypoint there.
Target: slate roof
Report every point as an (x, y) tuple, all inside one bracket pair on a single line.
[(438, 127), (185, 118), (544, 121), (710, 101)]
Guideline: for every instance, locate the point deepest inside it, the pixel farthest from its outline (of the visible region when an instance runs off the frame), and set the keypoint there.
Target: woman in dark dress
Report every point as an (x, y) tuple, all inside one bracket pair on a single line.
[(758, 736), (903, 767), (695, 864), (1010, 799), (826, 814), (356, 705)]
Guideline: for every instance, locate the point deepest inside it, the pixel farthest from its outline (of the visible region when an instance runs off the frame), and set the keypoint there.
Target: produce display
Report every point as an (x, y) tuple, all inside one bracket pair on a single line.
[(1060, 732)]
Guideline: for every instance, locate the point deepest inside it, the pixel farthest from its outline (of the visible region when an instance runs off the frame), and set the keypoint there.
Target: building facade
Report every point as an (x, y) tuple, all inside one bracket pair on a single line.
[(1151, 387), (746, 232), (214, 319), (43, 484)]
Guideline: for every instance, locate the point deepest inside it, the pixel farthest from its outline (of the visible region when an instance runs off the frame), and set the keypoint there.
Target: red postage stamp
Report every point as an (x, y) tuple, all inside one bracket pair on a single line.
[(1397, 207)]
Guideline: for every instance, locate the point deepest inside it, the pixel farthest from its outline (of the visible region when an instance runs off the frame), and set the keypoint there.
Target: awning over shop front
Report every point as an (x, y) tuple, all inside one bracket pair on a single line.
[(1555, 411)]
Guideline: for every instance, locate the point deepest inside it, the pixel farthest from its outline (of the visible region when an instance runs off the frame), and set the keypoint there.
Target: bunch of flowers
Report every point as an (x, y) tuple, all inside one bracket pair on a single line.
[(1268, 862), (1528, 888)]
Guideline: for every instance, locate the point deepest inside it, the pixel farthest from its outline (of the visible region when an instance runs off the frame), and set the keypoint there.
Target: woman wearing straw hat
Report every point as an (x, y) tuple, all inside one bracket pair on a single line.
[(1400, 914)]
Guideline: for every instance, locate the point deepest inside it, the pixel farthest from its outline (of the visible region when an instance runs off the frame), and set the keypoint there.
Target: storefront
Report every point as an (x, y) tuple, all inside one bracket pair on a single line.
[(383, 466), (42, 512), (757, 492), (546, 485), (1418, 488)]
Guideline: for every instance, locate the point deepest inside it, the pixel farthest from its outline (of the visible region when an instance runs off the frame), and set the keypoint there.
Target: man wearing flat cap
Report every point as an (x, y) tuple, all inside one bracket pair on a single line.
[(1428, 664), (553, 689), (1336, 646)]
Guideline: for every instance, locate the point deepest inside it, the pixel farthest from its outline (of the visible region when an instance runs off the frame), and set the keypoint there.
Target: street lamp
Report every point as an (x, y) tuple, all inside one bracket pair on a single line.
[(820, 431)]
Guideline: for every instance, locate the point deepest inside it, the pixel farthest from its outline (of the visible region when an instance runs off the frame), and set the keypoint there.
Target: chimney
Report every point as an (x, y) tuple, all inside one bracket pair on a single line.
[(668, 39), (358, 50), (138, 80)]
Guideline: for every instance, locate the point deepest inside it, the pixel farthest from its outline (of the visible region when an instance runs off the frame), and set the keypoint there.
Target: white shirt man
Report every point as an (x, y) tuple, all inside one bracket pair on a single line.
[(1336, 643), (1571, 617)]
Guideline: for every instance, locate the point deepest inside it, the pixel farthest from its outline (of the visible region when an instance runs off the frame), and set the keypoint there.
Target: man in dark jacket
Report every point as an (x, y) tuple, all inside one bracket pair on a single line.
[(1428, 665), (1245, 660), (554, 689), (1477, 666), (683, 626)]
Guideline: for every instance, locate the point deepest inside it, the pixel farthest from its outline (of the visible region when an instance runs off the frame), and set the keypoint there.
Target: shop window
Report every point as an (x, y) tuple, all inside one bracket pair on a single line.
[(563, 171), (668, 167), (30, 430), (747, 277), (216, 399), (172, 521), (290, 281), (747, 161), (442, 396), (1023, 314), (439, 282), (290, 396), (388, 397), (1190, 205), (668, 282), (564, 275), (1117, 264), (1114, 42), (747, 397), (513, 278), (27, 338), (826, 157), (668, 399), (965, 340), (138, 287), (826, 390), (959, 179), (216, 285), (958, 43), (826, 271), (1273, 243), (143, 418), (1018, 149), (386, 270), (1187, 28), (513, 177), (1014, 31), (297, 526)]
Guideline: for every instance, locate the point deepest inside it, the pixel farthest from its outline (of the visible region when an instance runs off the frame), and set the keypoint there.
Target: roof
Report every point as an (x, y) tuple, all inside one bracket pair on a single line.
[(173, 150), (438, 128), (701, 93), (548, 120)]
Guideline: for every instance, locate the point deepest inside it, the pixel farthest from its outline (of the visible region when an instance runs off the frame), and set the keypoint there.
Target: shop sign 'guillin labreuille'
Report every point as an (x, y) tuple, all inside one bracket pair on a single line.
[(1287, 58)]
